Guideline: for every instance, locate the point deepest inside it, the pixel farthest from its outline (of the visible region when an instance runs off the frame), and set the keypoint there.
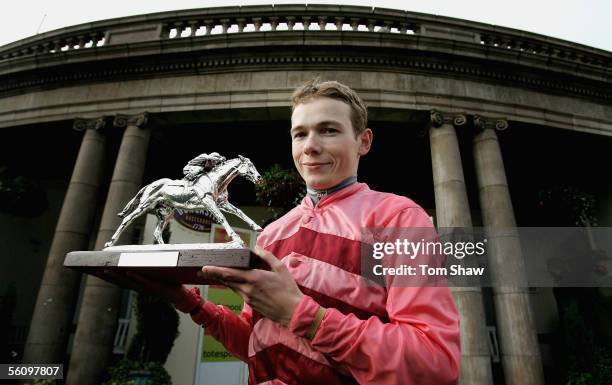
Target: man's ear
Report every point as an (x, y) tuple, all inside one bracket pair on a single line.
[(365, 141)]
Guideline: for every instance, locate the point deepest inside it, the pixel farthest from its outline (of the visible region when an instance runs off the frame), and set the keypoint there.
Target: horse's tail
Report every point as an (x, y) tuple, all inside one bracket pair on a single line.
[(133, 203)]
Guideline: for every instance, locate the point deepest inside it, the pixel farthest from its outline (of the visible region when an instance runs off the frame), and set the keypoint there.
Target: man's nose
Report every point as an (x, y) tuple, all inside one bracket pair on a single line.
[(312, 144)]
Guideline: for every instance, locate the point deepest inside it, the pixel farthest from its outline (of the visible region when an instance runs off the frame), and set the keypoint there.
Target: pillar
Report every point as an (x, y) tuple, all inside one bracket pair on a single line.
[(58, 292), (452, 210), (520, 353), (97, 323)]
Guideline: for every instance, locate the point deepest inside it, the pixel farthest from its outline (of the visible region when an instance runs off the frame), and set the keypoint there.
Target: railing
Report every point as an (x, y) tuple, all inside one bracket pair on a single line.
[(84, 40), (201, 23), (192, 28), (120, 342), (123, 324)]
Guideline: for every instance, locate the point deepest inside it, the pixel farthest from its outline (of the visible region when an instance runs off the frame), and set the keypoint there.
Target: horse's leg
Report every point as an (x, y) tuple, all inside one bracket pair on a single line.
[(161, 214), (149, 196), (127, 220), (157, 232), (210, 205), (163, 218), (230, 208), (117, 233), (167, 220)]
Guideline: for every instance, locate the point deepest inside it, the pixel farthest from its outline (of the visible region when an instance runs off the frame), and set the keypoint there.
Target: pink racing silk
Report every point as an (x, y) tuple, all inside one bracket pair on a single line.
[(370, 334)]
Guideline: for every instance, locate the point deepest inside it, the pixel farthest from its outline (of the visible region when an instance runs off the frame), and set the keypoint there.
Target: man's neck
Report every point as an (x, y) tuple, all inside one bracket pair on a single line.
[(316, 195)]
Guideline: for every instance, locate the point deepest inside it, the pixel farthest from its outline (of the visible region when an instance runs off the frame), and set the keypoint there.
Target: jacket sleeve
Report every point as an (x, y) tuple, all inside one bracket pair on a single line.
[(231, 330), (419, 345), (224, 325)]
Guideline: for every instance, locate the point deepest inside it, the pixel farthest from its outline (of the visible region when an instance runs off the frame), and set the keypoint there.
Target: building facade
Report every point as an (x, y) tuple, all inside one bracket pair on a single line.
[(470, 121)]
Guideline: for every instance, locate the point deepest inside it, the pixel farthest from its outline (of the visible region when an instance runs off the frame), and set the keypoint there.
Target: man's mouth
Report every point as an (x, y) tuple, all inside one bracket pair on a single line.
[(314, 165)]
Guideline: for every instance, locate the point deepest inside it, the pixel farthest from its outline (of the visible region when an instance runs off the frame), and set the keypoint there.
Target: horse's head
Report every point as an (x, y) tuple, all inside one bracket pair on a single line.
[(248, 170)]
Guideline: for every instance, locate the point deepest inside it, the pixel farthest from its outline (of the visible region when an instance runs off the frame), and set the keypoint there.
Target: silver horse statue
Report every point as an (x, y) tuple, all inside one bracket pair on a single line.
[(204, 187)]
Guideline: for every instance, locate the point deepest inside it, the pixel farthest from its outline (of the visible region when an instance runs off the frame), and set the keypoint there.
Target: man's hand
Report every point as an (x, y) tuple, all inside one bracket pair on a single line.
[(272, 293)]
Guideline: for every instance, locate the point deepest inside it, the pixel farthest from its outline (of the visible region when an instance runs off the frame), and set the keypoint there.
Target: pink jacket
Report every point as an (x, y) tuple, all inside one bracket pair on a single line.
[(370, 334)]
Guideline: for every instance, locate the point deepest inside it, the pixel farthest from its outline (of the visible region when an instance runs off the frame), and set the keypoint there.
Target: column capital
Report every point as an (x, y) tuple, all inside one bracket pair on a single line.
[(437, 119), (82, 124), (481, 123), (138, 120)]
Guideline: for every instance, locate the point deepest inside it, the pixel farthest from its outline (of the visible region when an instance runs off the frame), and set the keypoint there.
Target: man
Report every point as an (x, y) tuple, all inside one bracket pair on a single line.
[(309, 319)]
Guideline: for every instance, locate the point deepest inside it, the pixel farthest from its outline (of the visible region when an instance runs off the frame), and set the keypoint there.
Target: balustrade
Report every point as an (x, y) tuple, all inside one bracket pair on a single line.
[(206, 22)]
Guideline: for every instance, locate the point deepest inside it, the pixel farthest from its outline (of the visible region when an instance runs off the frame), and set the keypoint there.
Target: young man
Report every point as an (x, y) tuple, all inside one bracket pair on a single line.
[(309, 319)]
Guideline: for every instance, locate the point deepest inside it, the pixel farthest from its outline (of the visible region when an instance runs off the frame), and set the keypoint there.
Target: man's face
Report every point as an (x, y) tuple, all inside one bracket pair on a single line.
[(325, 150)]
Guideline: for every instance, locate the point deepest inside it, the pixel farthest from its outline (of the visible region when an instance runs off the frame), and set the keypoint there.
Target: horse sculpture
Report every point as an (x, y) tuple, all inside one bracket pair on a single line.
[(203, 188)]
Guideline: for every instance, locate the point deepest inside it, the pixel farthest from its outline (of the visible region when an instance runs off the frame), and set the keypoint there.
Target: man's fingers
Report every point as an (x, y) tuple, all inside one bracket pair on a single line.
[(268, 257)]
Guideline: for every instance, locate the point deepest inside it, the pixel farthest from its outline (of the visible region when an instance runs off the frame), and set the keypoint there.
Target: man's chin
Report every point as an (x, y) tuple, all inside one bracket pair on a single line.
[(319, 184)]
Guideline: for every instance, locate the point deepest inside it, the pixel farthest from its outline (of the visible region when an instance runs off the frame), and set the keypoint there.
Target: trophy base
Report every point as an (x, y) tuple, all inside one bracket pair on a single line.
[(172, 263)]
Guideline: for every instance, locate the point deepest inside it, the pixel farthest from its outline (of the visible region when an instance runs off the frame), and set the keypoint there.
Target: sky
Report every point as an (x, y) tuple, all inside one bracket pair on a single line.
[(587, 22)]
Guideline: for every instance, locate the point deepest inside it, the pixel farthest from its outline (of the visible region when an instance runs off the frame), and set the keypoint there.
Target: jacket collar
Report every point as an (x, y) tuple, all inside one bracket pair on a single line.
[(334, 196), (317, 195)]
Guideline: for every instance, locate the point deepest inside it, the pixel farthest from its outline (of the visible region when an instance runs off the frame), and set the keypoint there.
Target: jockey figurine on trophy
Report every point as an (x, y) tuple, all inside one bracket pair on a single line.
[(207, 162), (203, 187)]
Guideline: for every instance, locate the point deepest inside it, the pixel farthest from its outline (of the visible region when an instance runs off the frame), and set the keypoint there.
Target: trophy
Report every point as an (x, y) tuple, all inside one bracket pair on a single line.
[(203, 187)]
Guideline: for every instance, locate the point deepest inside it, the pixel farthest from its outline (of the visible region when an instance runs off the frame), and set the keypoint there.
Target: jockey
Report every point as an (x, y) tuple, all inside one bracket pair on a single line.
[(309, 318), (201, 163)]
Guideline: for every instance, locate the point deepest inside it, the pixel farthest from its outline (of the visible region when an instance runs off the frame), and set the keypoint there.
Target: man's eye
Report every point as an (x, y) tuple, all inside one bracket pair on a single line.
[(329, 130), (298, 135)]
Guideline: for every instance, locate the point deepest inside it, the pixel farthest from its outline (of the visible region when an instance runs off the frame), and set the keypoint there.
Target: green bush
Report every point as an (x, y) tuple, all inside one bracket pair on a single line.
[(588, 360), (124, 372), (280, 188), (42, 382)]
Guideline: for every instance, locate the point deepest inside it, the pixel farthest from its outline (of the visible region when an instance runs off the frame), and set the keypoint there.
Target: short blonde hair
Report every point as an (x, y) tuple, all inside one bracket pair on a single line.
[(334, 90)]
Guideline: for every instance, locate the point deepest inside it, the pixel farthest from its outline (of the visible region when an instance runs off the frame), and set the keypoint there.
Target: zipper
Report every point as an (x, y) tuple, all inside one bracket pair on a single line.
[(320, 195)]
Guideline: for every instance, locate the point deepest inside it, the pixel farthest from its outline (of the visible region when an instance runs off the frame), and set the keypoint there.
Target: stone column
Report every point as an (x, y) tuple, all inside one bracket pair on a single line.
[(452, 210), (59, 289), (97, 324), (519, 348)]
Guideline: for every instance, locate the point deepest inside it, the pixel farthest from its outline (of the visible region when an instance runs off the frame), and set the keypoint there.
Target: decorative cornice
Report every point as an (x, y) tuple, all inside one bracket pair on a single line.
[(120, 70), (82, 124), (138, 120), (437, 119)]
